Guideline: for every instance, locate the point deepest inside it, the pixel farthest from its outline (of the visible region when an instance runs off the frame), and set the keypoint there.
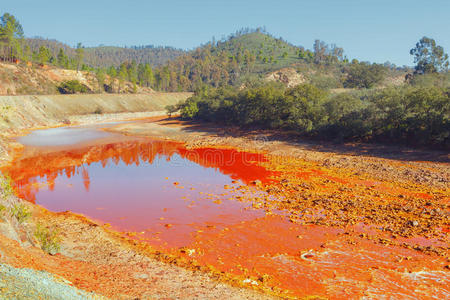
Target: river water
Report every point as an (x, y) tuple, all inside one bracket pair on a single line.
[(169, 196)]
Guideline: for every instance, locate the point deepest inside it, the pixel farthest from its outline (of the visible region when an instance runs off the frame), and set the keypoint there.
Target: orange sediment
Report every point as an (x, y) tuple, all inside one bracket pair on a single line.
[(283, 223)]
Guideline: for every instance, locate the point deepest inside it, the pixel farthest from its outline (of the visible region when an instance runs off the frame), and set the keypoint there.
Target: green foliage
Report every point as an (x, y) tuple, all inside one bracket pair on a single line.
[(326, 81), (2, 211), (20, 212), (363, 75), (429, 56), (441, 80), (62, 59), (412, 115), (43, 55), (190, 110), (72, 87), (172, 109), (49, 239), (6, 185), (79, 56), (11, 35)]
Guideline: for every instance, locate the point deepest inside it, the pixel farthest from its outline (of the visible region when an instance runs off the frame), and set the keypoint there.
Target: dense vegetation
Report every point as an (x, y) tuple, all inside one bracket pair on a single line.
[(241, 59), (106, 56), (416, 115)]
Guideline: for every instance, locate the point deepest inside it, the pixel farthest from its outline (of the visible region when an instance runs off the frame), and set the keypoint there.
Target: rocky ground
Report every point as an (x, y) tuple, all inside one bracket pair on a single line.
[(403, 193)]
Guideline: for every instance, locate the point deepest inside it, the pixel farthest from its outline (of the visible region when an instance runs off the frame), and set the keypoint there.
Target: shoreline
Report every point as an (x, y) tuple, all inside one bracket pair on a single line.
[(196, 137)]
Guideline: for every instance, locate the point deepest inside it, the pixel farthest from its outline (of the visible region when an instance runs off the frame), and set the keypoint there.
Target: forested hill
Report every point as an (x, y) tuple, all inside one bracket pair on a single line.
[(106, 56), (244, 56)]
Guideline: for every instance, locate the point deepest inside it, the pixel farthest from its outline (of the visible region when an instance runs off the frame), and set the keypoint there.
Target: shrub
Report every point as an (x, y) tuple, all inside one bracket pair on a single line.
[(190, 109), (325, 82), (72, 87), (363, 75), (441, 80), (2, 211), (171, 109), (20, 212), (7, 186), (411, 115), (49, 239)]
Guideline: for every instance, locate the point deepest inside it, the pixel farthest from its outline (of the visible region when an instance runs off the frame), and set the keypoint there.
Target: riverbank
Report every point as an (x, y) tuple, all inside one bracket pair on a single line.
[(93, 258), (21, 113), (361, 181)]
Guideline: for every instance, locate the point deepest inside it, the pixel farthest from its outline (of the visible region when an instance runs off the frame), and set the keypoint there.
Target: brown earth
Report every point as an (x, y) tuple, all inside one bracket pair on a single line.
[(288, 76)]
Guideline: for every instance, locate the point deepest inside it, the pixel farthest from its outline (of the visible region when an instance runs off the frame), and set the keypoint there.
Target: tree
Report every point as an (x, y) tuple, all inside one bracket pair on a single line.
[(101, 76), (11, 35), (62, 59), (123, 75), (429, 57), (44, 55), (364, 75), (79, 55)]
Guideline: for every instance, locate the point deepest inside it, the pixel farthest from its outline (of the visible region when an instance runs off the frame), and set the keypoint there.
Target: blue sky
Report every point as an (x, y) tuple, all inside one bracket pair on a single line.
[(373, 30)]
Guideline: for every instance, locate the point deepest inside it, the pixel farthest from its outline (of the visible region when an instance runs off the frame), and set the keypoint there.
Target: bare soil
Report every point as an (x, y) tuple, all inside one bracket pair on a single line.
[(402, 191)]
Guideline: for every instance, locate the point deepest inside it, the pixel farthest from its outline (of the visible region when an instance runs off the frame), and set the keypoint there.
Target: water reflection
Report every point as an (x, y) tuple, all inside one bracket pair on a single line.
[(144, 187)]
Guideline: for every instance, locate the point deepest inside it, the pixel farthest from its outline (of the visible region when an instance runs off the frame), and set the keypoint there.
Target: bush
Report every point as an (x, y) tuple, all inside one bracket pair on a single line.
[(2, 211), (189, 110), (325, 82), (411, 115), (72, 87), (441, 80), (363, 75), (7, 186), (172, 109), (20, 212), (48, 238)]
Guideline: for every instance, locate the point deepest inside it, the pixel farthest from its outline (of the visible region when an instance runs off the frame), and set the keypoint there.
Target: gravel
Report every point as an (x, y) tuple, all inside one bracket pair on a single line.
[(30, 284)]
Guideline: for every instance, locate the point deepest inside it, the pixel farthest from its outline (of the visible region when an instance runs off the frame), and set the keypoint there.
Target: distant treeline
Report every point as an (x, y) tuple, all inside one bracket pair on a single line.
[(106, 56), (413, 114)]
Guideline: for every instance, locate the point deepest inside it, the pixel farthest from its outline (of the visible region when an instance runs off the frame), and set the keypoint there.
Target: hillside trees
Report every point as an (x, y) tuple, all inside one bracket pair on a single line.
[(11, 37), (44, 55), (429, 57), (79, 56), (61, 59)]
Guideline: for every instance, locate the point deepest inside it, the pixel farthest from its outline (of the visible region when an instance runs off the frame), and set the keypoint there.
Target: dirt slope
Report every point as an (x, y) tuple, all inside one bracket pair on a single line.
[(289, 76), (20, 79)]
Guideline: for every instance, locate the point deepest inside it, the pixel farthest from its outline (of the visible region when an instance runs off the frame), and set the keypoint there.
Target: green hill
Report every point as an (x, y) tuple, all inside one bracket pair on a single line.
[(243, 56)]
